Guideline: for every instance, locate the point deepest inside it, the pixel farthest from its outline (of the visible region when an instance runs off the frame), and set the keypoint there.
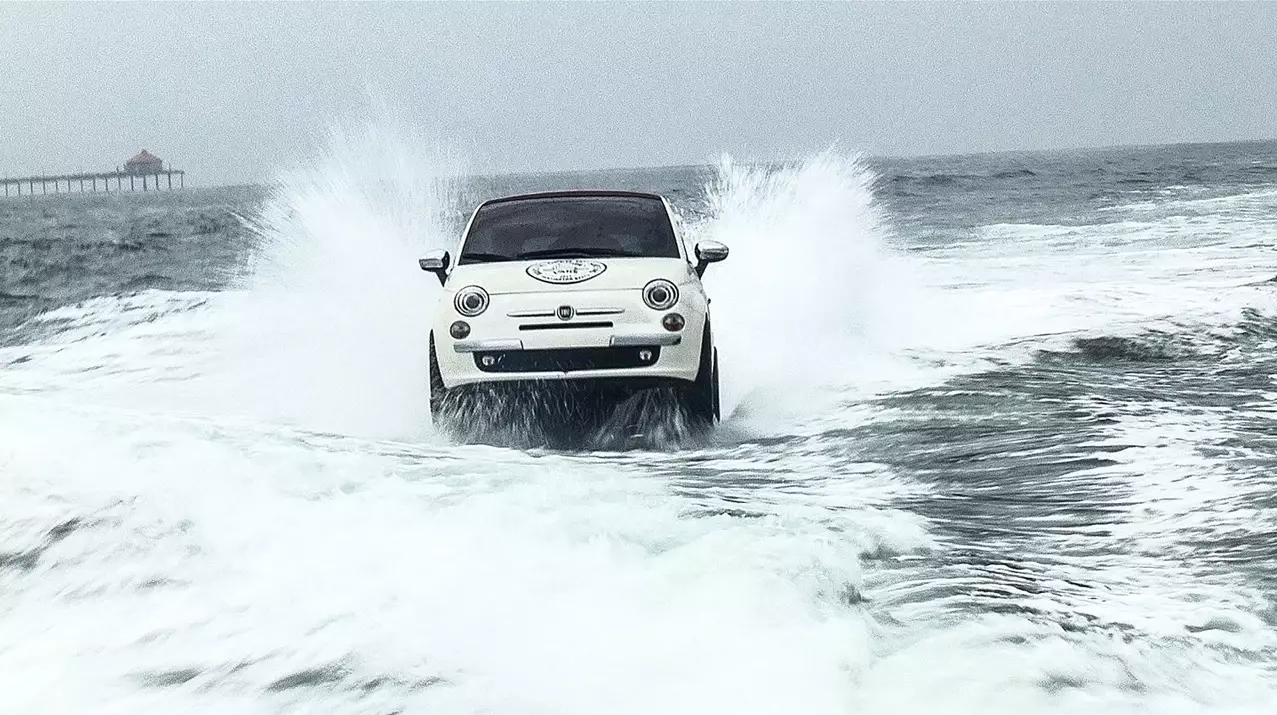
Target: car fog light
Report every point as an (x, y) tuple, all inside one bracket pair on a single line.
[(673, 322), (459, 329), (488, 361), (645, 355)]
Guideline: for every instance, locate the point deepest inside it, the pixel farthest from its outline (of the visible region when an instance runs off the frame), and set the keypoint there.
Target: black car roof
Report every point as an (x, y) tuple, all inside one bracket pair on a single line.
[(590, 193)]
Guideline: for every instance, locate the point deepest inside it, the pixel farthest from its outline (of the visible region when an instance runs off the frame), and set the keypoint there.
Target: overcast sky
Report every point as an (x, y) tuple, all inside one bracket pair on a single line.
[(230, 91)]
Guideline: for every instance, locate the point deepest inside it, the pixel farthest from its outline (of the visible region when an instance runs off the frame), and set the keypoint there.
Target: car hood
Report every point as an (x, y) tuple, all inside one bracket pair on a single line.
[(568, 275)]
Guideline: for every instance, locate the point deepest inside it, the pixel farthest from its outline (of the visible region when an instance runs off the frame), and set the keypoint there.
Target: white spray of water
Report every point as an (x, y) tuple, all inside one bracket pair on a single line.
[(336, 320), (811, 294)]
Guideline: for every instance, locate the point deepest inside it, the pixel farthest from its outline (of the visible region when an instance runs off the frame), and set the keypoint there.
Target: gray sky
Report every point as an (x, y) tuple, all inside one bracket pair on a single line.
[(230, 91)]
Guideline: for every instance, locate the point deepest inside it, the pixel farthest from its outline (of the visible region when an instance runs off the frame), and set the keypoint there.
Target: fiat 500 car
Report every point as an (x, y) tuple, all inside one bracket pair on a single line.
[(579, 287)]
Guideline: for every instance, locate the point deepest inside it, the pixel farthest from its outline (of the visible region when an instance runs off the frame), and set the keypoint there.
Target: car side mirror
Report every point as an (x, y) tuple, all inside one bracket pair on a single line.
[(436, 262), (708, 252)]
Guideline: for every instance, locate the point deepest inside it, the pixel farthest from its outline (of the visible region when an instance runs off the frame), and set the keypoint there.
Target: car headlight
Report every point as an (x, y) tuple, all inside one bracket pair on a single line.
[(660, 294), (471, 301)]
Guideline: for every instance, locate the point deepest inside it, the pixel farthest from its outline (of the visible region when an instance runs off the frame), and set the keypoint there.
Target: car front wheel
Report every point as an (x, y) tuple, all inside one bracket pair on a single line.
[(702, 400)]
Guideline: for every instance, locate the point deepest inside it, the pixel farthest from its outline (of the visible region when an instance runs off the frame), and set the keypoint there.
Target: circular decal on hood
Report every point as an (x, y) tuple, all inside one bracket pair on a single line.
[(569, 271)]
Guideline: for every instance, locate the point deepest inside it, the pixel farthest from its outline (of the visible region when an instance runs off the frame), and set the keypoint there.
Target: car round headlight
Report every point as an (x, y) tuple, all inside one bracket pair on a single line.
[(660, 294), (471, 301), (459, 329)]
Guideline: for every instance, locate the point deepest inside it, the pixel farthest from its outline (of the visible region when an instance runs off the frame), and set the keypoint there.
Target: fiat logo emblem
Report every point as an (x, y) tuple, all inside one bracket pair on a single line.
[(565, 312)]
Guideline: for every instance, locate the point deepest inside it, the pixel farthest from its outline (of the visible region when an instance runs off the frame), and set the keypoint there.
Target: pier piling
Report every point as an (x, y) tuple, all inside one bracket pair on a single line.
[(92, 183)]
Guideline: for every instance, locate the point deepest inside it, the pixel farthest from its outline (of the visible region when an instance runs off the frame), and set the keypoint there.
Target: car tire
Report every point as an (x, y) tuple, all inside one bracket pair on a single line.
[(702, 402), (718, 405), (438, 393)]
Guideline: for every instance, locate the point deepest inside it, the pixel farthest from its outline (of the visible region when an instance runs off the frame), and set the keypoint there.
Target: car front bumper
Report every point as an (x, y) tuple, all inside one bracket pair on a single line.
[(612, 335)]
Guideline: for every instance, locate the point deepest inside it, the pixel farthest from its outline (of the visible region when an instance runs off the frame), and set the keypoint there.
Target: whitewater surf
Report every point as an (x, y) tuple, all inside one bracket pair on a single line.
[(1026, 470)]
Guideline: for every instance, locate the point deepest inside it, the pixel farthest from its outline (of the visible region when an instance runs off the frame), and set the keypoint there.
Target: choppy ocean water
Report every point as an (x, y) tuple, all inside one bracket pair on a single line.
[(998, 438)]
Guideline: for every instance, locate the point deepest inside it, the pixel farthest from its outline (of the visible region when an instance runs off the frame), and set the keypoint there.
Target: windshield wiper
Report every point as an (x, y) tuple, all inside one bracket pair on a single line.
[(576, 253)]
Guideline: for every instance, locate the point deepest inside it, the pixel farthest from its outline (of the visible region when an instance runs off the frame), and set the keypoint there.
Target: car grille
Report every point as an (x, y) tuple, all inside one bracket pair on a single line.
[(565, 360), (566, 326)]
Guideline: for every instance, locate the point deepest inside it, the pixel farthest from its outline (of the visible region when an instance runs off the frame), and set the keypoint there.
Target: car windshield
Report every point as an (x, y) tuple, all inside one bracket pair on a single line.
[(570, 227)]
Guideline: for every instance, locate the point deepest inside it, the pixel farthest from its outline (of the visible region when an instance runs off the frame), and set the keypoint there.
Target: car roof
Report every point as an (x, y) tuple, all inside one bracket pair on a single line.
[(580, 193)]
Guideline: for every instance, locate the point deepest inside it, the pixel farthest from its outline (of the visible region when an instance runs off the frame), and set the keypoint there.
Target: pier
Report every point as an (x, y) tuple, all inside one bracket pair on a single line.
[(143, 172)]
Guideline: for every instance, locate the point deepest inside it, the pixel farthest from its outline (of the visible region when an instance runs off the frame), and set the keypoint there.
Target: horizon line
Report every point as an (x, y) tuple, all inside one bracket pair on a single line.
[(509, 173)]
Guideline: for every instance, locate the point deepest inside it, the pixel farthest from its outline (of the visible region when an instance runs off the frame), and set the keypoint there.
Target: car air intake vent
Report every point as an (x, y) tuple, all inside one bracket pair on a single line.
[(566, 360), (566, 326)]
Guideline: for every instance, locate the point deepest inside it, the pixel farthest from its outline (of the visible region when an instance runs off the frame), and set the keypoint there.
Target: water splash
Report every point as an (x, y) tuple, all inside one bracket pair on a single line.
[(334, 293), (571, 415), (812, 289)]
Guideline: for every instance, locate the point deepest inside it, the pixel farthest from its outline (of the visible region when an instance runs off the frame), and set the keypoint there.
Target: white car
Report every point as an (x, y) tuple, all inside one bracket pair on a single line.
[(593, 287)]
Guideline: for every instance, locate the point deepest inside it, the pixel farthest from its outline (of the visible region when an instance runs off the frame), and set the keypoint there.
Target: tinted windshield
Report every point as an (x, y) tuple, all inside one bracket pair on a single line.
[(570, 227)]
